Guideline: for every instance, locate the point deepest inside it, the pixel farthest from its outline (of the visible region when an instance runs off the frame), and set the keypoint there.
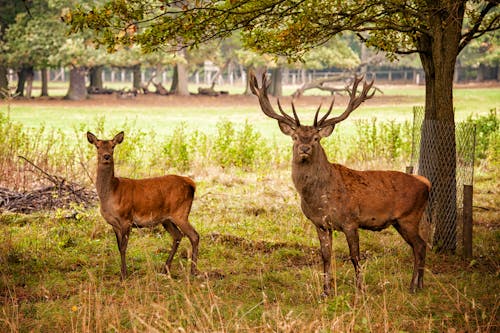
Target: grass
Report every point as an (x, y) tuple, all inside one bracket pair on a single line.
[(164, 117), (262, 272), (59, 269)]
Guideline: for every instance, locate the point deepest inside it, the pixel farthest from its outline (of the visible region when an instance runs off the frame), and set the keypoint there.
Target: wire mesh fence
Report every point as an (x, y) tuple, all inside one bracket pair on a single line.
[(444, 153)]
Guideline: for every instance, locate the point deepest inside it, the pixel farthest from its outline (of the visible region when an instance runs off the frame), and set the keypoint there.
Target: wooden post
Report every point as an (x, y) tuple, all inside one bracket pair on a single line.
[(467, 221)]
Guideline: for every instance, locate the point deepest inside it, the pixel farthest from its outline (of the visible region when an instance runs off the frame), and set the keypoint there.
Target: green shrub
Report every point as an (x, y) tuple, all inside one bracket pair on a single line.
[(176, 149), (487, 137), (389, 141)]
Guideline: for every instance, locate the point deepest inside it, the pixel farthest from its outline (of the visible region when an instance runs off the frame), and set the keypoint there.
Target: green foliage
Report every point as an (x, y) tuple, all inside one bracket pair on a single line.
[(176, 149), (487, 135), (243, 148), (390, 141)]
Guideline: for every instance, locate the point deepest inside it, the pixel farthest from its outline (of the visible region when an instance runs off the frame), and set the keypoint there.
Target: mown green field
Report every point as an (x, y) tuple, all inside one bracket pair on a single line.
[(259, 256)]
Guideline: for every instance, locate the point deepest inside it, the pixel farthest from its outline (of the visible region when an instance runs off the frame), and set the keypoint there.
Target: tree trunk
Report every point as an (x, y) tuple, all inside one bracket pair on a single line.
[(21, 81), (4, 83), (30, 76), (180, 80), (95, 78), (136, 79), (276, 88), (438, 147), (44, 74), (77, 90)]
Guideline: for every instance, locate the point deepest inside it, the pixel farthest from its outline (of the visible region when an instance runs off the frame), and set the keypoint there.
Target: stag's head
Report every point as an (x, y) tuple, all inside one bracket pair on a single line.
[(306, 139), (105, 148)]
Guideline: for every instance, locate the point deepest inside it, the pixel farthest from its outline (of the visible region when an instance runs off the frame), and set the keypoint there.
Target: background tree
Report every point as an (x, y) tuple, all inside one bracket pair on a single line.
[(30, 41), (436, 30), (483, 54), (8, 13)]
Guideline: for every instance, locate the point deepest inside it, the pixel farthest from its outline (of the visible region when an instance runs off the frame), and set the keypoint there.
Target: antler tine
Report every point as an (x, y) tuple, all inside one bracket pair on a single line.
[(315, 124), (354, 101), (295, 115), (326, 114), (265, 104), (286, 115)]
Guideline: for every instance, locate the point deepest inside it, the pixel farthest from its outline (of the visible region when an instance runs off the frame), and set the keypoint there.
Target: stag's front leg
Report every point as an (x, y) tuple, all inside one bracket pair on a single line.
[(352, 237), (325, 240)]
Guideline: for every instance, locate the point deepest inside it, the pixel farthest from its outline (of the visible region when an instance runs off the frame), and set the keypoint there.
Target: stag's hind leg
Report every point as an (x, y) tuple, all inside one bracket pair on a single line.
[(408, 229), (176, 239), (352, 236)]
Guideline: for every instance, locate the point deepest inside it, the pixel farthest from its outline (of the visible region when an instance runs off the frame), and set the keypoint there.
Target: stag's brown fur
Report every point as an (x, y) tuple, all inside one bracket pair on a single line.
[(335, 197), (127, 203)]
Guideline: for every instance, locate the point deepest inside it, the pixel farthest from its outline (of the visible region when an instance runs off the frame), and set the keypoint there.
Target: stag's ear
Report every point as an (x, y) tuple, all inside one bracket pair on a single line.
[(326, 131), (92, 138), (118, 138), (285, 128)]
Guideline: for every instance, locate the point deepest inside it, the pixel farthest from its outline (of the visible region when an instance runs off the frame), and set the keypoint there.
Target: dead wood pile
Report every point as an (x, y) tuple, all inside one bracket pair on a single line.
[(60, 194)]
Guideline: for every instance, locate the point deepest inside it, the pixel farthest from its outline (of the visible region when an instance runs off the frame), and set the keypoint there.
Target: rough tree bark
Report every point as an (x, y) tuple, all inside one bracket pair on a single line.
[(44, 74), (136, 77), (4, 83), (95, 78), (438, 148), (180, 80), (77, 90), (276, 88)]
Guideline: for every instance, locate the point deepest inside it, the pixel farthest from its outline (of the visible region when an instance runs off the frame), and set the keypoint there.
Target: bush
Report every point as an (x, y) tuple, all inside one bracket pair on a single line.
[(487, 137), (389, 141)]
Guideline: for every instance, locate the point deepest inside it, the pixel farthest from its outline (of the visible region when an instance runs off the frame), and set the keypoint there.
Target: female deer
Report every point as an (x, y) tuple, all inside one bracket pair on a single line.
[(127, 203)]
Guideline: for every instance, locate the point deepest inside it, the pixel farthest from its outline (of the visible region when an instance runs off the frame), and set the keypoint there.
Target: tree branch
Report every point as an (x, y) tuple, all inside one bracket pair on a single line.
[(475, 31)]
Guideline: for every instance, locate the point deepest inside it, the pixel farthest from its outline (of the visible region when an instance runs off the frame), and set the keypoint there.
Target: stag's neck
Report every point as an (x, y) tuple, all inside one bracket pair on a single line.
[(106, 181), (311, 175)]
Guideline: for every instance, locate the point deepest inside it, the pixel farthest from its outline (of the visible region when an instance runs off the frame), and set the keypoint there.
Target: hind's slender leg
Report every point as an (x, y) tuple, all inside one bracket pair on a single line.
[(176, 239)]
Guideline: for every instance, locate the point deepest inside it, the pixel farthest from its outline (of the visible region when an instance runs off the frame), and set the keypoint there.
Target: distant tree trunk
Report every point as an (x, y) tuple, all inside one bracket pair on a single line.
[(44, 73), (438, 147), (4, 83), (258, 73), (136, 80), (77, 90), (95, 78), (276, 88), (247, 70), (180, 80), (30, 76)]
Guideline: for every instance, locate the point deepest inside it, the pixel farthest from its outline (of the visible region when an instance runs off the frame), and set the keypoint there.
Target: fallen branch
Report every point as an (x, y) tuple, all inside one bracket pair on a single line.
[(59, 195)]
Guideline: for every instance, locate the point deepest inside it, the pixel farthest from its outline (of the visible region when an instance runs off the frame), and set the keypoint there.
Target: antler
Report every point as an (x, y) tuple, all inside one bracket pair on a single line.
[(265, 104), (354, 103)]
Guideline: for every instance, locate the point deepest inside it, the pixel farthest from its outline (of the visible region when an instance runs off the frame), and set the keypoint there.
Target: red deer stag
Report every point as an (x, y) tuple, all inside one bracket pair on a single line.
[(335, 197), (127, 203)]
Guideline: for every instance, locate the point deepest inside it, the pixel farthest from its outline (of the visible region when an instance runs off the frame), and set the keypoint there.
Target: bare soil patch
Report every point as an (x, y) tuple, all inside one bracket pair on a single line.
[(154, 100)]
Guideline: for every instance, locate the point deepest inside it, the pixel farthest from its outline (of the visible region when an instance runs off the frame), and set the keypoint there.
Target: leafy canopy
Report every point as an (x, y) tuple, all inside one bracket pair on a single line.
[(283, 27)]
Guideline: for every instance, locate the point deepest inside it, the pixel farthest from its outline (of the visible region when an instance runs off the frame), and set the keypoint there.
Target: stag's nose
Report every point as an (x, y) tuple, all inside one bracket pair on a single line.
[(107, 157), (305, 149)]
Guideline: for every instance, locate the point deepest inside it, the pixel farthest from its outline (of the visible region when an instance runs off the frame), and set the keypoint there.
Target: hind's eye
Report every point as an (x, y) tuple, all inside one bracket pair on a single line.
[(316, 138), (295, 137)]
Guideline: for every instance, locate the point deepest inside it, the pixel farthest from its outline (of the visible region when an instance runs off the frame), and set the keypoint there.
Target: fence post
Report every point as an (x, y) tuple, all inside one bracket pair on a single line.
[(467, 221)]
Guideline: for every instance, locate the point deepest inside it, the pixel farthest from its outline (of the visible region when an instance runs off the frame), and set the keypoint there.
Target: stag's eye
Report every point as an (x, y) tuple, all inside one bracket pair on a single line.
[(316, 138), (294, 137)]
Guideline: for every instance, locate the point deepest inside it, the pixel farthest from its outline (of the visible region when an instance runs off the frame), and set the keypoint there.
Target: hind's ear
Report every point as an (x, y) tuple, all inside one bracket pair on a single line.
[(118, 138), (92, 138)]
